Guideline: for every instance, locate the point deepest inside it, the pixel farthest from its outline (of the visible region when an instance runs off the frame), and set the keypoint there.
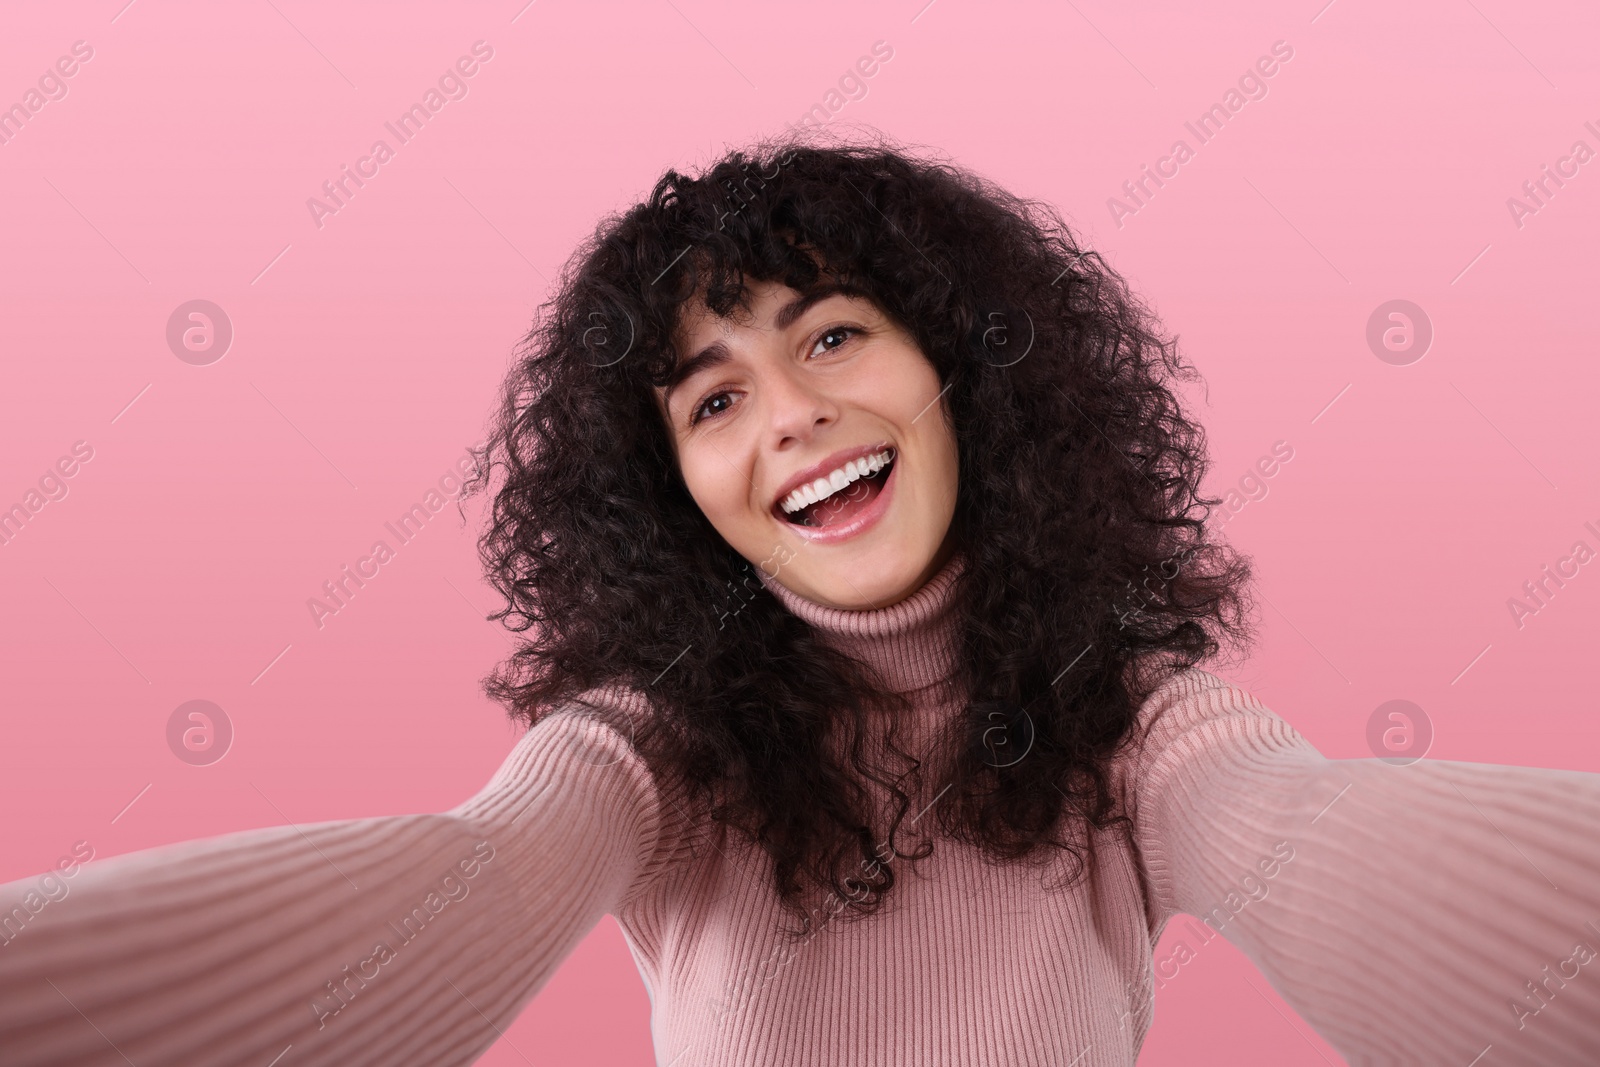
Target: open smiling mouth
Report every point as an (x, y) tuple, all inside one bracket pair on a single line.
[(850, 492)]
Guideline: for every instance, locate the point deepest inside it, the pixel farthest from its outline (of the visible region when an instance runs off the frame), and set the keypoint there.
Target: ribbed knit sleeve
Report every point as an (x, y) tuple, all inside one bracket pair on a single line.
[(411, 939), (1441, 912)]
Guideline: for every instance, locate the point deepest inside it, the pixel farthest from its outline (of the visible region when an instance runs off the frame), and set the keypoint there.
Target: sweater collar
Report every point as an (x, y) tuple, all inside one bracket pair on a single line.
[(912, 643)]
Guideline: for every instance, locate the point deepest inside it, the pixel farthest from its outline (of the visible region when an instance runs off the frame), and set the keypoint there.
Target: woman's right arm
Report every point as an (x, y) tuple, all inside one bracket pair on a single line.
[(410, 939)]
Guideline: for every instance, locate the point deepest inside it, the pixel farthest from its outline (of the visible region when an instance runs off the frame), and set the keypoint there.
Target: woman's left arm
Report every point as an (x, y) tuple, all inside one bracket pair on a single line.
[(1432, 913)]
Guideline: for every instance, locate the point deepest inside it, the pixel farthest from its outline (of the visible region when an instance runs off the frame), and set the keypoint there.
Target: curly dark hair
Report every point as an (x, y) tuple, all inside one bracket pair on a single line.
[(1079, 514)]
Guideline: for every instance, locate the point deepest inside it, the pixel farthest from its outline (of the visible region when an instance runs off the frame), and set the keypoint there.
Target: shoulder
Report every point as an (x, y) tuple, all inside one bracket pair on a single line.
[(582, 758), (605, 728), (1191, 699), (1196, 715), (586, 745), (1209, 776), (601, 726)]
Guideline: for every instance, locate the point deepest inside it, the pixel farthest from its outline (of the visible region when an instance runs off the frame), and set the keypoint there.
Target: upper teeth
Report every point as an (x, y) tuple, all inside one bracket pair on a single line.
[(823, 488)]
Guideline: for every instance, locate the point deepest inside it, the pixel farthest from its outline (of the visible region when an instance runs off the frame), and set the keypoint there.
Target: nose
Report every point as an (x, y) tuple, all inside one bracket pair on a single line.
[(796, 406)]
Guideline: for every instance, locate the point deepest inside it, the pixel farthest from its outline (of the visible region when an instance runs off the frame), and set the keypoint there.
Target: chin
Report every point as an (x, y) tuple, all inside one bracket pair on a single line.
[(864, 580)]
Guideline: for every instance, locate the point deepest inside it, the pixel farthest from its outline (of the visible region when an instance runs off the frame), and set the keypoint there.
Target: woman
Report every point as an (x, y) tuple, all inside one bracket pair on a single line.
[(859, 537)]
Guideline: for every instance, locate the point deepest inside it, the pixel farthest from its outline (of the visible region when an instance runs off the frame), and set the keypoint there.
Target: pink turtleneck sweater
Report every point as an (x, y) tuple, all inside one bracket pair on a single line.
[(1442, 912)]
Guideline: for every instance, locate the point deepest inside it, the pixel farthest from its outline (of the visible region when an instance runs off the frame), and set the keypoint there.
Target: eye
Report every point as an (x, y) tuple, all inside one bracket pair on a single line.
[(700, 410), (828, 340), (838, 335)]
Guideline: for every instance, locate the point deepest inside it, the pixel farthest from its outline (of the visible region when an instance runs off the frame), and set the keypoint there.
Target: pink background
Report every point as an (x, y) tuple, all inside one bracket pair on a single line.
[(366, 354)]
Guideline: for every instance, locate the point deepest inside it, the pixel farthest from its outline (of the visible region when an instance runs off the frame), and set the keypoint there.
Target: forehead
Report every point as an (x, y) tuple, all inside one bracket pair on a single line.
[(758, 302), (763, 305)]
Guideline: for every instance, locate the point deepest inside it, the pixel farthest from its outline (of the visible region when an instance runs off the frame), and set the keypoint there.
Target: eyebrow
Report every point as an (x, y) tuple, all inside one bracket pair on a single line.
[(716, 353), (712, 355)]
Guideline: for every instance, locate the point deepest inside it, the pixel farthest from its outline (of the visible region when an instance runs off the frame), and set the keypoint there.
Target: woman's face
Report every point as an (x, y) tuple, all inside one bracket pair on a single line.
[(807, 388)]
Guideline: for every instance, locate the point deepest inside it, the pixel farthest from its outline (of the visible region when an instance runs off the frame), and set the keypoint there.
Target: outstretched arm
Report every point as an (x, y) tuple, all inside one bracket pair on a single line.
[(1432, 913), (411, 939)]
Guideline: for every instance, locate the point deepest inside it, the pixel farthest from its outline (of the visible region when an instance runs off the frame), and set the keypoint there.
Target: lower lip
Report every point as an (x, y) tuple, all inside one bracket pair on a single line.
[(827, 535)]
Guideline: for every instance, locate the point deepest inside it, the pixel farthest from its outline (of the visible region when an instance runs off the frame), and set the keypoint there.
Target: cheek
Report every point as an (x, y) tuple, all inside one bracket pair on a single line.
[(720, 491), (952, 455), (901, 389), (932, 427), (948, 468)]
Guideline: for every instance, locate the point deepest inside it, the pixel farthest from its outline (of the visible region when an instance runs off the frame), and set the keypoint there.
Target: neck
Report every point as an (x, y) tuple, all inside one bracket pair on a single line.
[(911, 643)]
